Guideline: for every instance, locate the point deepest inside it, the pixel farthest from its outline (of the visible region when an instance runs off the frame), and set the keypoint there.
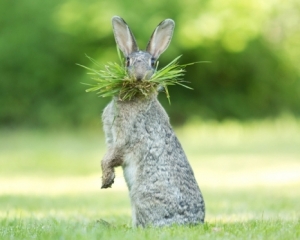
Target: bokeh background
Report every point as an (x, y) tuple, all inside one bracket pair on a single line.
[(252, 46), (239, 126)]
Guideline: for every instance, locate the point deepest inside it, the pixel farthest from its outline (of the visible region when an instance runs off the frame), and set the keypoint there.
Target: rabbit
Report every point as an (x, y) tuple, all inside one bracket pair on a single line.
[(162, 187)]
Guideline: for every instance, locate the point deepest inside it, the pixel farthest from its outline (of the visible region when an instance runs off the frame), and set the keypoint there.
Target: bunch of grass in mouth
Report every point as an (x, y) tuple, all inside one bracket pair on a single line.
[(113, 80)]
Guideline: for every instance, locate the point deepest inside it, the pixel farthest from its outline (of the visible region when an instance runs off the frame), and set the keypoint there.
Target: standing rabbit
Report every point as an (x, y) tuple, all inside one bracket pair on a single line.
[(161, 182)]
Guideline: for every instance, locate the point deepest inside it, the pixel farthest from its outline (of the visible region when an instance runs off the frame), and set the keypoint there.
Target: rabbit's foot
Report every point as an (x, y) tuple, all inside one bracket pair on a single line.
[(108, 179)]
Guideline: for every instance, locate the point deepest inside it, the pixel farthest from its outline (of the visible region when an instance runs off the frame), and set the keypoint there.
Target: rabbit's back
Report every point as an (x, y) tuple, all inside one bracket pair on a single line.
[(162, 185)]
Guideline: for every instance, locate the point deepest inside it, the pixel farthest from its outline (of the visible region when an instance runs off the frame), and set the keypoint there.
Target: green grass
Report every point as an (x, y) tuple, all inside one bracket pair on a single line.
[(80, 228), (249, 175), (113, 80)]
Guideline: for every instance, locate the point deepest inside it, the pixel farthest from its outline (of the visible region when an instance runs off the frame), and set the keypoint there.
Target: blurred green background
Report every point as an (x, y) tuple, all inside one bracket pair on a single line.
[(252, 46)]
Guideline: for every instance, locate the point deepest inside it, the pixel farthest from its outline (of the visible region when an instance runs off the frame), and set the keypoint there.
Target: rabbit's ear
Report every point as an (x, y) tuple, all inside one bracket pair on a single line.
[(123, 36), (161, 38)]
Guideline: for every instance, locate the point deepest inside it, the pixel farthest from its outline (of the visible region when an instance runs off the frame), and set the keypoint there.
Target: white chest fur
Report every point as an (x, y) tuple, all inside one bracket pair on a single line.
[(129, 169)]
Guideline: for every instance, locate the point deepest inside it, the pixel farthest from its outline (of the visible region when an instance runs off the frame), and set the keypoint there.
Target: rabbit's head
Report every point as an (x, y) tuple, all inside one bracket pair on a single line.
[(141, 64)]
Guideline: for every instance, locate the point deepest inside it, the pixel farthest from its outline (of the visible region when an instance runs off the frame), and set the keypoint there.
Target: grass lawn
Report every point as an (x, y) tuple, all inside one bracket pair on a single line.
[(249, 174)]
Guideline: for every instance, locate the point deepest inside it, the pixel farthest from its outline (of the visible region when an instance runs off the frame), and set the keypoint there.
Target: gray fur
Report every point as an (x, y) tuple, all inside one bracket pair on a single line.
[(161, 182)]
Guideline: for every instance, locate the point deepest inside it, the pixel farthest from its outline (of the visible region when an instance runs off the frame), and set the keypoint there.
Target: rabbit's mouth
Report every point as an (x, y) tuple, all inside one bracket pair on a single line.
[(139, 77), (146, 77), (142, 75)]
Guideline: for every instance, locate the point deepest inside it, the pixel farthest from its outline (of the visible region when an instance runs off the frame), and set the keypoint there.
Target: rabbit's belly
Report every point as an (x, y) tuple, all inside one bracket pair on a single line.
[(129, 171)]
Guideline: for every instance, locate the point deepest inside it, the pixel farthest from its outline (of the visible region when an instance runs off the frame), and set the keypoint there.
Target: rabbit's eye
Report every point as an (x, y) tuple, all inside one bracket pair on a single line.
[(127, 62), (152, 62)]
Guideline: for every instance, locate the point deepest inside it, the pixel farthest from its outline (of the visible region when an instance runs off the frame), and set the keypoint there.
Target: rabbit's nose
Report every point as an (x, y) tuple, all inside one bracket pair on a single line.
[(139, 76)]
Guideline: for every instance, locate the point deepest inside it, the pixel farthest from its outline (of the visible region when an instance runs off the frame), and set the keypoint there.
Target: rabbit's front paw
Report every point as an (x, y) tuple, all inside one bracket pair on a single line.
[(108, 179)]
